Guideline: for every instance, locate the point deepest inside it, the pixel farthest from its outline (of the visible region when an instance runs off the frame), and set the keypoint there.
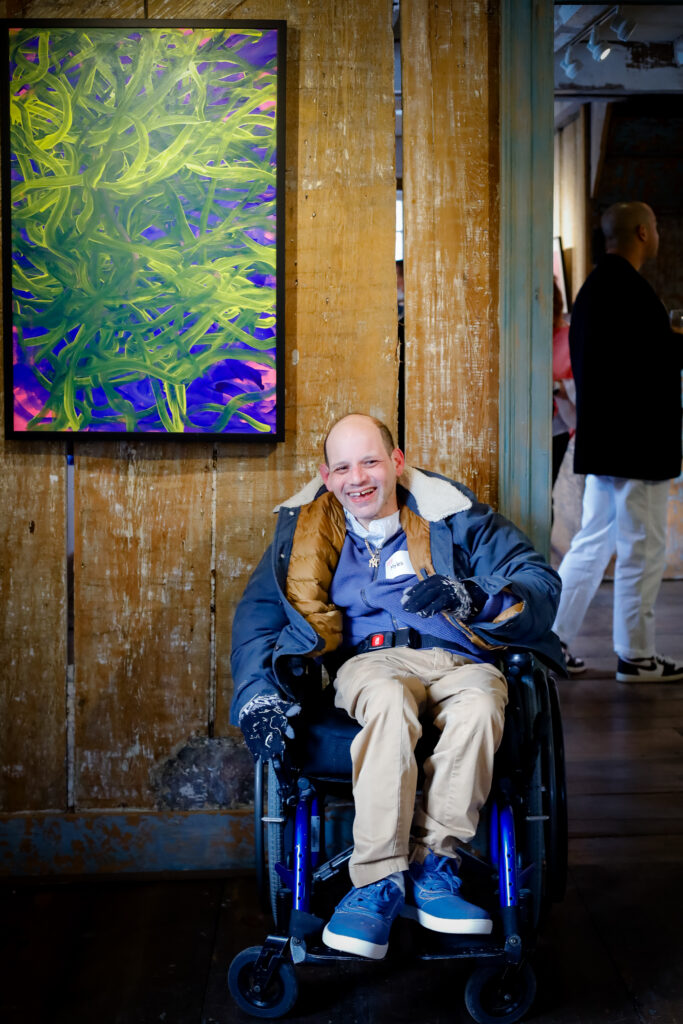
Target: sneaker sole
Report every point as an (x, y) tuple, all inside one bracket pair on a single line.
[(449, 925), (576, 671), (349, 944), (627, 677)]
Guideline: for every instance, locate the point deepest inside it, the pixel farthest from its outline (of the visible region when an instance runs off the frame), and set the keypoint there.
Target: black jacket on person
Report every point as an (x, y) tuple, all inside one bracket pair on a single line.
[(627, 363)]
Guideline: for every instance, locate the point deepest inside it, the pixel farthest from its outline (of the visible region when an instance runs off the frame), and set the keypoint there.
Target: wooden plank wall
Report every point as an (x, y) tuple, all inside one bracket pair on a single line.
[(33, 630), (451, 224), (167, 534), (142, 579)]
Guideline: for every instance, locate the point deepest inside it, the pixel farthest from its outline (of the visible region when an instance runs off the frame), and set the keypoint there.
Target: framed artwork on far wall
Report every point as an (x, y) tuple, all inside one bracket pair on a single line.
[(143, 205)]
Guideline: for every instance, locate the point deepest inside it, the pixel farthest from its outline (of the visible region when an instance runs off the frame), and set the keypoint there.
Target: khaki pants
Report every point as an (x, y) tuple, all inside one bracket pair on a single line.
[(387, 691)]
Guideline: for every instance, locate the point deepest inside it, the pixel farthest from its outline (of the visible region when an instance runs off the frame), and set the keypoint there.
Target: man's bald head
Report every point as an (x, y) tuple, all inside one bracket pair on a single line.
[(630, 230), (385, 433), (362, 467)]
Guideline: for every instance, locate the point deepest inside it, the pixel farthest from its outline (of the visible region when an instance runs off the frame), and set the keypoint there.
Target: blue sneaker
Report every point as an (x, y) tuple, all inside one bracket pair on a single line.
[(432, 899), (362, 920)]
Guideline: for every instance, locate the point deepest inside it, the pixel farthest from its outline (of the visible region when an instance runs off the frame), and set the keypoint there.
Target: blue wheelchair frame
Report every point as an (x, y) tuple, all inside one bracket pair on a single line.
[(527, 863)]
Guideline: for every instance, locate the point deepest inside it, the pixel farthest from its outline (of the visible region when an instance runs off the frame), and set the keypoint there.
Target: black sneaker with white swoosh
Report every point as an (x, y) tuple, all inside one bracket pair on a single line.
[(649, 670)]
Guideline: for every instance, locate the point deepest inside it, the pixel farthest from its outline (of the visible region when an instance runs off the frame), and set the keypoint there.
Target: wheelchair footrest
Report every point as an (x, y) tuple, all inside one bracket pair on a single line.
[(301, 924), (463, 953), (429, 945)]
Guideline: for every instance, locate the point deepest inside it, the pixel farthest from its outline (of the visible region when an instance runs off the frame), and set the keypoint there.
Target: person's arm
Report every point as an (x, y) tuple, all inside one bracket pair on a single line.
[(258, 622), (502, 592), (522, 590)]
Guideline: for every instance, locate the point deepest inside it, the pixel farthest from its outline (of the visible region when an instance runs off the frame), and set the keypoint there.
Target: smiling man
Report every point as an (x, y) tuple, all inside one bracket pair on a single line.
[(407, 589), (362, 467)]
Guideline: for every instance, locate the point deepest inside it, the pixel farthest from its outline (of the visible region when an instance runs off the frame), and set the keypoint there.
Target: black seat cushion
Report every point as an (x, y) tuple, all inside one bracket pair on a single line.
[(323, 744)]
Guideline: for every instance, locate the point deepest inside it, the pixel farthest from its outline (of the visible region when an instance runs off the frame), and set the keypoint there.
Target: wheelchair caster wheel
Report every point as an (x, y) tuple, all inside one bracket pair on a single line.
[(275, 999), (500, 993)]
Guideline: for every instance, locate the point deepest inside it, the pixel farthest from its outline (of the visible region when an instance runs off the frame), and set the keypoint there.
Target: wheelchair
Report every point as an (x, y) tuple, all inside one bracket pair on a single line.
[(515, 867)]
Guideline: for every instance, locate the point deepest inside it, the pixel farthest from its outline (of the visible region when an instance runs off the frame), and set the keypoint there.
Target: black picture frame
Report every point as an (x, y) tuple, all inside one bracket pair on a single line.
[(144, 293)]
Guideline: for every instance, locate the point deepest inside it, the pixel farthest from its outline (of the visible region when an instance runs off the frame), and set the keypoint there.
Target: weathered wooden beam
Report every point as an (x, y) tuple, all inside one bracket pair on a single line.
[(106, 843), (526, 268), (449, 55)]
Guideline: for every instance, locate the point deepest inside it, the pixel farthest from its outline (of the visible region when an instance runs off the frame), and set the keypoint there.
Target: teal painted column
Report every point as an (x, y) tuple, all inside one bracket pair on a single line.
[(526, 276)]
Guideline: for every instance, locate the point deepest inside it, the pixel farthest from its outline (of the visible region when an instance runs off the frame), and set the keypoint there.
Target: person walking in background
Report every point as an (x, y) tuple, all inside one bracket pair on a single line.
[(564, 417), (627, 362)]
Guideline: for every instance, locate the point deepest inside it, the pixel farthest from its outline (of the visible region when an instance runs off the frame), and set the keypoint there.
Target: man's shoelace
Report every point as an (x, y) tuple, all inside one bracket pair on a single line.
[(441, 877), (370, 895), (665, 662)]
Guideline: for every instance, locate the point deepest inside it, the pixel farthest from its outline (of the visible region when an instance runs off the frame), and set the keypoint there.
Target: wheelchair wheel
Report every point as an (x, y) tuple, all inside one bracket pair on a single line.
[(557, 829), (531, 836), (536, 744), (547, 800), (278, 996), (500, 993), (275, 833)]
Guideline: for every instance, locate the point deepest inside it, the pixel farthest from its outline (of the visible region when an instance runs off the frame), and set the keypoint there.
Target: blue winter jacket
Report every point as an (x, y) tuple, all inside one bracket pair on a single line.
[(276, 649)]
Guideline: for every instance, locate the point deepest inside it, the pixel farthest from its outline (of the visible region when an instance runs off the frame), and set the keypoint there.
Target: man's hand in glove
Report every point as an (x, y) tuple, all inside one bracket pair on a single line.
[(462, 598), (265, 722)]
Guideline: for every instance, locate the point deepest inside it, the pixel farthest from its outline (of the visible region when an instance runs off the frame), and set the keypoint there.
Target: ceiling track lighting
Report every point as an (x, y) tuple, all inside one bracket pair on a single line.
[(598, 49), (678, 51), (570, 67), (623, 27)]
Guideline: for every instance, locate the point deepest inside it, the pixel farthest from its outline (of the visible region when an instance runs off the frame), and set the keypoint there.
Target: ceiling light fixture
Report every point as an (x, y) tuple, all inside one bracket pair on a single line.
[(678, 51), (623, 27), (570, 67), (599, 50)]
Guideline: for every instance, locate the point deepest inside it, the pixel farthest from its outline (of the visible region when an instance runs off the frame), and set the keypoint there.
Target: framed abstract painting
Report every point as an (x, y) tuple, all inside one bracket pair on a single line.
[(143, 236)]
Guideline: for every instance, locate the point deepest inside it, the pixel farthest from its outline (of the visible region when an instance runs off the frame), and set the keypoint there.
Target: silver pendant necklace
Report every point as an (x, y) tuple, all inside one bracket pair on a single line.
[(374, 555)]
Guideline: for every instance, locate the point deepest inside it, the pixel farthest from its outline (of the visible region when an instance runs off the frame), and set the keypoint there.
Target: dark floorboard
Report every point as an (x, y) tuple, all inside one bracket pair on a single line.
[(131, 951)]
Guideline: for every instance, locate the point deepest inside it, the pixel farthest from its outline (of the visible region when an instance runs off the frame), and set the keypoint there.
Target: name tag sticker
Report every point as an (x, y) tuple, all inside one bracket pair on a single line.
[(399, 565)]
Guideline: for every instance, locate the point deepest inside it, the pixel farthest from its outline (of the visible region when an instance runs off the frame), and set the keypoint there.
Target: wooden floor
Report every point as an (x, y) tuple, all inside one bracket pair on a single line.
[(144, 951)]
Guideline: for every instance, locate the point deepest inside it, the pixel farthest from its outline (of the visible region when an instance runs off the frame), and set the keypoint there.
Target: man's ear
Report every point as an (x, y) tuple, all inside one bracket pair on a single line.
[(398, 459), (325, 473)]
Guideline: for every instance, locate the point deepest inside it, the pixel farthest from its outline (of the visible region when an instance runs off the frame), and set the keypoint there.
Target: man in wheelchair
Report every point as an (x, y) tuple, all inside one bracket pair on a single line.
[(407, 589)]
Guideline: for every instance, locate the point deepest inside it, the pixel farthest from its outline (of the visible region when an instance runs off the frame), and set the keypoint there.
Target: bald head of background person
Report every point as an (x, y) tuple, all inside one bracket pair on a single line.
[(630, 230)]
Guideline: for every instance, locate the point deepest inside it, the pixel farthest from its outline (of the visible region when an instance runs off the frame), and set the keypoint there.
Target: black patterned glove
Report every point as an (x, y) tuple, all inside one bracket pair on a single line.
[(436, 593), (265, 723)]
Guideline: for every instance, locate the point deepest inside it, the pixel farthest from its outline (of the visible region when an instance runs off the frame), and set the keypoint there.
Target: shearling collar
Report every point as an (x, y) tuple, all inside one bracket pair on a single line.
[(434, 496)]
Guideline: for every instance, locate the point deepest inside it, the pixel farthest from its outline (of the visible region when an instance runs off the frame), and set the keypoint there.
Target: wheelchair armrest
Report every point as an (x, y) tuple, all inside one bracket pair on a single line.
[(514, 661)]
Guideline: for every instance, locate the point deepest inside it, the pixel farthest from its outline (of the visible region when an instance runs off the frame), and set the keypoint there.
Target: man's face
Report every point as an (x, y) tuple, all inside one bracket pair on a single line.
[(361, 474)]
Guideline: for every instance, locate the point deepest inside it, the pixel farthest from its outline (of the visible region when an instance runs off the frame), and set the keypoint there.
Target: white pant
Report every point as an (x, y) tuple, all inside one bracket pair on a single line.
[(629, 517)]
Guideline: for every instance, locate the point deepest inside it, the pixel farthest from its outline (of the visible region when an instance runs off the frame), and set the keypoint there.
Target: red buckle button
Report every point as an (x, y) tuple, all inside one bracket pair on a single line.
[(377, 640)]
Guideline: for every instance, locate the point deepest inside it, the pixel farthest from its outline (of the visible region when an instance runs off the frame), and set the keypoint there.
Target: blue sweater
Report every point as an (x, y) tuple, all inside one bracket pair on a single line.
[(370, 598)]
